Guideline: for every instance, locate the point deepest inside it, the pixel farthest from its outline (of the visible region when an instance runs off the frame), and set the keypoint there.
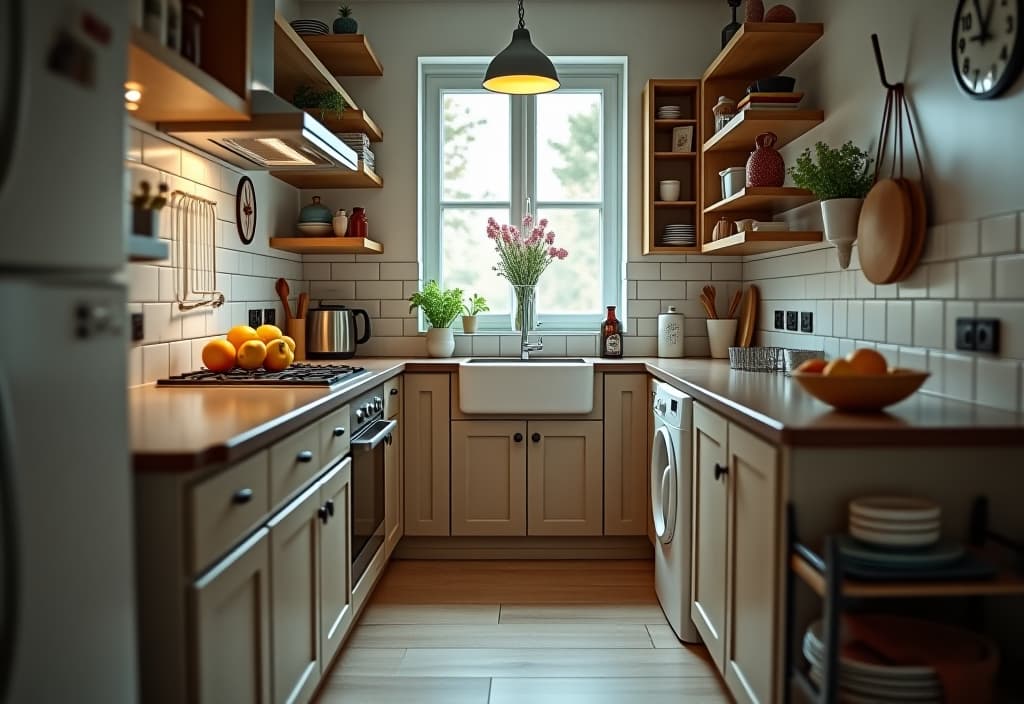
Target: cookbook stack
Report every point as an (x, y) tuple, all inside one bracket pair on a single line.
[(770, 101), (360, 144)]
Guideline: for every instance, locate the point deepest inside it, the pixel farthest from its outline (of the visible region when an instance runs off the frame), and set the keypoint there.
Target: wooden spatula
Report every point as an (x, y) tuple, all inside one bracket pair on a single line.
[(734, 303)]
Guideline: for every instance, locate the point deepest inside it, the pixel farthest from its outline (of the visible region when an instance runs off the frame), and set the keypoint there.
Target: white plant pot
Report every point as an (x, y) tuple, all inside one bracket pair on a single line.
[(721, 335), (841, 216), (440, 342)]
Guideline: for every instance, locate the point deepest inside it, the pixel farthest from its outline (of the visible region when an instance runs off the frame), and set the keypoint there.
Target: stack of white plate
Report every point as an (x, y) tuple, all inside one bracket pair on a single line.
[(315, 229), (670, 112), (870, 682), (314, 27), (679, 235), (896, 521)]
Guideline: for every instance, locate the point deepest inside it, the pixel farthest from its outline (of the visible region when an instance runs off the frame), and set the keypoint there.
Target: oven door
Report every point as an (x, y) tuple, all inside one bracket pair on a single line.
[(368, 493)]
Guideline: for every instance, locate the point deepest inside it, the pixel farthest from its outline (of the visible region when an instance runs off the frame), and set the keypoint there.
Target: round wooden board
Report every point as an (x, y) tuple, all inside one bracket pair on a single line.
[(885, 231), (919, 229)]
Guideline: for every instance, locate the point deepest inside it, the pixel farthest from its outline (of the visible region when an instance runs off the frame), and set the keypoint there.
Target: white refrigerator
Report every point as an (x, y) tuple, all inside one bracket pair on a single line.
[(67, 602)]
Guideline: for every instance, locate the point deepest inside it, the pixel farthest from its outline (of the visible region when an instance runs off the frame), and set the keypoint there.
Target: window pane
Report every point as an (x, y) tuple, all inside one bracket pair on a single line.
[(572, 285), (569, 146), (476, 141), (467, 255)]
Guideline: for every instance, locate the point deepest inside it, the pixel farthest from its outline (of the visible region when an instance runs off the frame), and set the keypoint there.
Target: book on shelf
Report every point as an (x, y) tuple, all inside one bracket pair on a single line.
[(768, 106), (771, 98)]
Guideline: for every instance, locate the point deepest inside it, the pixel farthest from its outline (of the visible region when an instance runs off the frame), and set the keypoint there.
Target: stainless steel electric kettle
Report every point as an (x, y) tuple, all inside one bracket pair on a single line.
[(331, 331)]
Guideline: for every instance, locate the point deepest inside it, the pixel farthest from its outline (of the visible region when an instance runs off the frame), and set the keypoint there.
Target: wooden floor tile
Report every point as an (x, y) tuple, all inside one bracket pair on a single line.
[(663, 636), (391, 614), (610, 690), (406, 690), (368, 662), (581, 613), (512, 635)]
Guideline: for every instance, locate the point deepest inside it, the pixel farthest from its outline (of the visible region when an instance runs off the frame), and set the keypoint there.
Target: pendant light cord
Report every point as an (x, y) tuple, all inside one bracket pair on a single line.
[(522, 16)]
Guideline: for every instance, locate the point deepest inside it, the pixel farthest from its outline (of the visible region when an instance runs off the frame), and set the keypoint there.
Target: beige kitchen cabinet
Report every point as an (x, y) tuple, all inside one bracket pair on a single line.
[(488, 477), (231, 623), (295, 597), (336, 608), (565, 482), (626, 439), (427, 413), (393, 489)]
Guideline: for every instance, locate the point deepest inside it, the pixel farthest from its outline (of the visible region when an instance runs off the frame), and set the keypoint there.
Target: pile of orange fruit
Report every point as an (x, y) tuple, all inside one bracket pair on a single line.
[(250, 348), (861, 362)]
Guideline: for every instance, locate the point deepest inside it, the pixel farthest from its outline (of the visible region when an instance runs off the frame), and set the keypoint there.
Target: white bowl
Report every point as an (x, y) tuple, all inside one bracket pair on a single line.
[(315, 229)]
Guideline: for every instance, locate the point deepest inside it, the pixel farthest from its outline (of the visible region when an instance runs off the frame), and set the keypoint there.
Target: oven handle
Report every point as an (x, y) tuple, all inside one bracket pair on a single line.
[(367, 443)]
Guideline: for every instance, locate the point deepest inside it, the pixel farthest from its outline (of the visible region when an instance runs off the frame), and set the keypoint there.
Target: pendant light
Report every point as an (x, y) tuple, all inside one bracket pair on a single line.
[(521, 68)]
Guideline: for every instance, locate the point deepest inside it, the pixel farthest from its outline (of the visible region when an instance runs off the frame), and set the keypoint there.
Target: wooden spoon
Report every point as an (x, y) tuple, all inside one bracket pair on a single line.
[(283, 290), (709, 306), (734, 302), (303, 305)]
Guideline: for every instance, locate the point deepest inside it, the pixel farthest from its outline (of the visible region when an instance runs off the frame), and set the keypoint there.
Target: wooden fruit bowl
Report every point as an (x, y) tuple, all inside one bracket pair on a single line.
[(862, 393)]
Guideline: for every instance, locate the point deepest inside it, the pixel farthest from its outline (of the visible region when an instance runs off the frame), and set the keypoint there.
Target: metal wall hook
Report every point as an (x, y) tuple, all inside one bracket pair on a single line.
[(881, 65)]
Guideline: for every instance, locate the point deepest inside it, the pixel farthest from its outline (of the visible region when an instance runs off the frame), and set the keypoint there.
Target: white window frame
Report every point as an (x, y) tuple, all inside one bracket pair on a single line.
[(608, 74)]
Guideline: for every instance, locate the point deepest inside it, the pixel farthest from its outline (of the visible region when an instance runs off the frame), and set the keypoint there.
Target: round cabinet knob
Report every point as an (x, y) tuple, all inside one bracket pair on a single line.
[(242, 496), (360, 416), (305, 456), (535, 437), (338, 432), (518, 437), (394, 392)]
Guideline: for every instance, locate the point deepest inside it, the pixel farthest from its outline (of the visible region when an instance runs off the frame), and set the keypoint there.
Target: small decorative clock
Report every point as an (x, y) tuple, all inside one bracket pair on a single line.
[(245, 210), (988, 46)]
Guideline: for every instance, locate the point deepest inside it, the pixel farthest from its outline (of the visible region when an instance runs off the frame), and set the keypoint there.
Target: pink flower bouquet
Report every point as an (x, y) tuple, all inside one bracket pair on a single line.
[(523, 258)]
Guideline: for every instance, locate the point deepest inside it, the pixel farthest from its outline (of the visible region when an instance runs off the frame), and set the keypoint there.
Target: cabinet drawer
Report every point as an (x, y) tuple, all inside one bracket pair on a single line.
[(226, 507), (294, 462), (392, 397), (335, 435)]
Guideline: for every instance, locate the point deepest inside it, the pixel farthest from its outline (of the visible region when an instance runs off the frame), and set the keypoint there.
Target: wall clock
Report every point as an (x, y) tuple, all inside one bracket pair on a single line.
[(245, 210), (988, 46)]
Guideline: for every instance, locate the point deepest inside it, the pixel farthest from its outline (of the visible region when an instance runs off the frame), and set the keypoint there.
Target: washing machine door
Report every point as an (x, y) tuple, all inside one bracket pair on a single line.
[(664, 480)]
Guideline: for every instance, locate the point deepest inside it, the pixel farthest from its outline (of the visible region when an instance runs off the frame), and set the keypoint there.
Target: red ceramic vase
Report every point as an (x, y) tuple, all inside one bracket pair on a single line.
[(765, 167)]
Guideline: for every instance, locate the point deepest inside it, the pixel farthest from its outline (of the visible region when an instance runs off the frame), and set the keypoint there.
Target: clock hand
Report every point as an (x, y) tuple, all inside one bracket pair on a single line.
[(988, 19), (983, 21)]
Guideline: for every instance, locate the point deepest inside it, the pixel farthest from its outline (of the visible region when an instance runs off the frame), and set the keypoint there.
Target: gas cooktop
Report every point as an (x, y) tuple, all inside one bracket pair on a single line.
[(296, 375)]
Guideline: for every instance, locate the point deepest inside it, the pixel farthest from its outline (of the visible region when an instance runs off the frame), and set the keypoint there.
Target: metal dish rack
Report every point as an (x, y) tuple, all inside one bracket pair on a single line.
[(194, 228), (769, 359)]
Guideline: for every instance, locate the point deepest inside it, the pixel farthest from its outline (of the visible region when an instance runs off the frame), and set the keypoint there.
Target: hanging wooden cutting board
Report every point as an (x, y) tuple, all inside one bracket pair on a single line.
[(748, 316), (885, 231), (919, 228)]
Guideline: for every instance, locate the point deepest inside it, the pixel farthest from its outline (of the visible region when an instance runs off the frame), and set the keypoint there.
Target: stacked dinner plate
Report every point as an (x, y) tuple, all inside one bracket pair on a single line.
[(895, 521), (861, 680), (309, 27), (679, 235), (670, 112)]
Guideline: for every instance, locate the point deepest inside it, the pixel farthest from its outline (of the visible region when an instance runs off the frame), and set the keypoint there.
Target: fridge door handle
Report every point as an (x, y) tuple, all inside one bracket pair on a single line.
[(12, 46), (9, 558)]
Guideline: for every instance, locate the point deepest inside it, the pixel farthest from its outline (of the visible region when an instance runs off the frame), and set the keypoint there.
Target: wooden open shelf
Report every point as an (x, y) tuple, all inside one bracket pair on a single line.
[(331, 178), (295, 64), (759, 242), (675, 203), (667, 249), (774, 200), (762, 49), (176, 90), (327, 245), (742, 130), (675, 155), (352, 120), (674, 123), (1005, 583), (346, 54)]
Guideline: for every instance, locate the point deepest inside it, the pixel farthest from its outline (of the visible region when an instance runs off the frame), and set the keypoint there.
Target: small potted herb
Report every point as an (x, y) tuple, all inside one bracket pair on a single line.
[(474, 305), (840, 179), (345, 23), (440, 308), (322, 103)]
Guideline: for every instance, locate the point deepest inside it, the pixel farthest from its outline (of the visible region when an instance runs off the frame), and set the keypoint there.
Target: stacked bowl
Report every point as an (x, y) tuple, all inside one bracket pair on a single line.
[(895, 521), (310, 27)]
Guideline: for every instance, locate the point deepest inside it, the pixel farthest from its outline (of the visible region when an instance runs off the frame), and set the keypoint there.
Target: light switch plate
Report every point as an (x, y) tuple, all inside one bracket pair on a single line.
[(269, 316), (806, 322), (780, 320), (255, 317), (791, 320)]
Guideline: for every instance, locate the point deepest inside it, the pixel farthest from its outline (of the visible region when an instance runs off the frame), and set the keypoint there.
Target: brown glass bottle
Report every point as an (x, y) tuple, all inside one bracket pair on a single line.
[(611, 335)]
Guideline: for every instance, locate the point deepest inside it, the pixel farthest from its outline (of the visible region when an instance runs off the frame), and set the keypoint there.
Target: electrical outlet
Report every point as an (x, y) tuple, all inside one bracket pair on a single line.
[(138, 327), (986, 335), (255, 317), (791, 321), (780, 320), (269, 316), (806, 322), (966, 334)]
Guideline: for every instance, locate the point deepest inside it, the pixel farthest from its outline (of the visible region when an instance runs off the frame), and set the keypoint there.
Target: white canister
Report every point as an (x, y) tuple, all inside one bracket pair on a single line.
[(340, 223), (670, 333)]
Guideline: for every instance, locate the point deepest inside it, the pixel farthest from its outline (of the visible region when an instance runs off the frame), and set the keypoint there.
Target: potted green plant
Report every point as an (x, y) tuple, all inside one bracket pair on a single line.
[(474, 305), (840, 179), (322, 103), (345, 23), (440, 308)]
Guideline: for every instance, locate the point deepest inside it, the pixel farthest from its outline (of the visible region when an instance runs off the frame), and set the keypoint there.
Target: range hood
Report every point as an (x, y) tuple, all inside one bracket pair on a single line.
[(279, 136)]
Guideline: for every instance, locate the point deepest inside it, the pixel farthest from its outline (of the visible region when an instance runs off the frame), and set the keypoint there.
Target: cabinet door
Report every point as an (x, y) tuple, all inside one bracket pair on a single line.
[(710, 501), (754, 563), (488, 477), (565, 482), (427, 447), (336, 612), (626, 494), (295, 597), (231, 612), (393, 493)]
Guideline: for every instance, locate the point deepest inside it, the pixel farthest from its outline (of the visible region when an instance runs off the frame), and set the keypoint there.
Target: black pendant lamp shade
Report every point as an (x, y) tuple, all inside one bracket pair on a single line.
[(521, 68)]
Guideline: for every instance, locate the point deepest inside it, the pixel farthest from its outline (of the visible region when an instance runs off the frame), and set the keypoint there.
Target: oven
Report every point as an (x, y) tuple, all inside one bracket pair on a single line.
[(370, 433)]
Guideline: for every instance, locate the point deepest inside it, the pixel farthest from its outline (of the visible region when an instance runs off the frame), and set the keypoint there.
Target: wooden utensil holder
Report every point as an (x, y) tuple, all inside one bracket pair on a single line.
[(297, 331)]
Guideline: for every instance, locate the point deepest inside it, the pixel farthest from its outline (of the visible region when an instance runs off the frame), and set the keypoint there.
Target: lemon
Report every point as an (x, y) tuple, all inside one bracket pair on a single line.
[(279, 356), (268, 332), (290, 341), (219, 356), (251, 354), (240, 334)]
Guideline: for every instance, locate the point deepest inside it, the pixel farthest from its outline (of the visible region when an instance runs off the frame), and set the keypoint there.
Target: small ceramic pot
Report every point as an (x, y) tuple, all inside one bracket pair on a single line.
[(841, 216), (766, 167), (340, 223), (441, 342), (469, 324), (668, 190), (721, 335), (315, 212)]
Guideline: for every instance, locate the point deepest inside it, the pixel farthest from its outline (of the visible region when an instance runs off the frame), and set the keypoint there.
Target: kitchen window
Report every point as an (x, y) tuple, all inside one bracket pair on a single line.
[(559, 156)]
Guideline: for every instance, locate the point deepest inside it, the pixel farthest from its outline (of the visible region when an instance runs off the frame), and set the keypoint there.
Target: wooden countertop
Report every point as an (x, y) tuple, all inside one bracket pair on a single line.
[(187, 429)]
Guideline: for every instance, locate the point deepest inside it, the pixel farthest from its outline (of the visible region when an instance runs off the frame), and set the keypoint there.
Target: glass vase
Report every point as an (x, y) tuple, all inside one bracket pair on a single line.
[(526, 307)]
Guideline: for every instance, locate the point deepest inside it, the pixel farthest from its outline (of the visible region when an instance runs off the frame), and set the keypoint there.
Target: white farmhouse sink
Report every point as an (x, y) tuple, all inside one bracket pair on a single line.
[(538, 385)]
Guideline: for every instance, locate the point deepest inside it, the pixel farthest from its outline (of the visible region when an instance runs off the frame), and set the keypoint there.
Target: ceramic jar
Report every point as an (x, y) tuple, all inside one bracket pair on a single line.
[(724, 110), (670, 333), (440, 342), (340, 223), (358, 225), (315, 212), (765, 167)]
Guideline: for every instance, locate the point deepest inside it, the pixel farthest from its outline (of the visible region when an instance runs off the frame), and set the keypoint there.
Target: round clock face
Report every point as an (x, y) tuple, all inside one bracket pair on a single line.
[(245, 210), (988, 46)]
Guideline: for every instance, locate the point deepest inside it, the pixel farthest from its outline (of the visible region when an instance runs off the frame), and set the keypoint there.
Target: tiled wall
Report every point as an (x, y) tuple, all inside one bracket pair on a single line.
[(970, 269), (245, 274), (383, 290)]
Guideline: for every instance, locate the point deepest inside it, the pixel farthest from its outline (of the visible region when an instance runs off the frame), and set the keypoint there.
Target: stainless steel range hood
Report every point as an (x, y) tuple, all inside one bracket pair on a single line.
[(279, 136)]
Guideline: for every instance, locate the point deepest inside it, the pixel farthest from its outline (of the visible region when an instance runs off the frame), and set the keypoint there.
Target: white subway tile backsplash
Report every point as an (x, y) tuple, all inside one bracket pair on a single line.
[(647, 346), (387, 327), (411, 326), (832, 284), (644, 309), (396, 309), (729, 271), (683, 272), (974, 278), (180, 357), (962, 239), (355, 272), (942, 280), (814, 287), (554, 346), (409, 288), (379, 289), (401, 271), (958, 377), (864, 288), (486, 345), (143, 282), (999, 234), (581, 345), (332, 290), (1011, 326), (135, 366), (155, 363), (998, 383), (643, 271), (899, 325), (316, 271), (840, 311), (823, 318), (161, 155), (1010, 276), (661, 289), (874, 320), (855, 319), (915, 285), (928, 324), (647, 327)]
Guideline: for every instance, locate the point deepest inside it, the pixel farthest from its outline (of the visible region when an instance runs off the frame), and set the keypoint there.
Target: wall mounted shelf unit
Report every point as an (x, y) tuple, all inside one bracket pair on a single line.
[(346, 54), (331, 178), (326, 245)]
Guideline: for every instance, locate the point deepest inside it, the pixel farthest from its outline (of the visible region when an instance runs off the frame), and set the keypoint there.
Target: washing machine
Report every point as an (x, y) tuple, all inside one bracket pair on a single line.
[(671, 488)]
